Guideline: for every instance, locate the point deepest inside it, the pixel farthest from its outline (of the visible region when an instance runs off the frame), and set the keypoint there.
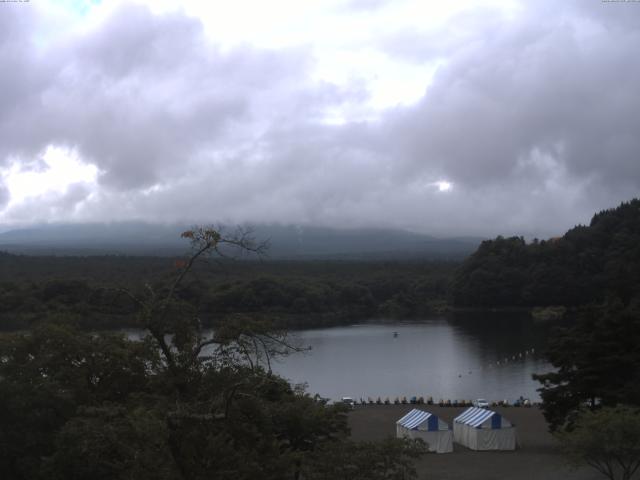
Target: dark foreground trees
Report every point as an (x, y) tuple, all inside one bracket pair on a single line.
[(592, 399), (585, 265), (607, 440), (177, 404), (597, 363)]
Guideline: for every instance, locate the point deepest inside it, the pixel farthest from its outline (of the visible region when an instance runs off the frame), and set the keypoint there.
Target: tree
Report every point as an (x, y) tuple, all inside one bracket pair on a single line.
[(596, 363), (585, 265), (47, 374), (180, 404), (607, 440)]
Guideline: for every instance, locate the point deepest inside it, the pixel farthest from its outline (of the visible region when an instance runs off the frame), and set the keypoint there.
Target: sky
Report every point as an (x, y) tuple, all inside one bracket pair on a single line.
[(445, 118)]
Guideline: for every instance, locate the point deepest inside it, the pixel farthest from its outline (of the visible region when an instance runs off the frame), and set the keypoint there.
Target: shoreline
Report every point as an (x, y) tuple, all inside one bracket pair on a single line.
[(536, 457), (441, 403)]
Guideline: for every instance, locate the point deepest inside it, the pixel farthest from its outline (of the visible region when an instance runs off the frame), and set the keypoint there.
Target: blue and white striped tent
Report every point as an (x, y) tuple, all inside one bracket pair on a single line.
[(428, 427), (482, 429)]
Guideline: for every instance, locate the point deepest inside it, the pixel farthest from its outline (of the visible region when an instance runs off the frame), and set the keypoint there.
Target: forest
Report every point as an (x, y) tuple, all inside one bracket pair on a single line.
[(290, 293), (586, 265), (78, 404), (595, 271)]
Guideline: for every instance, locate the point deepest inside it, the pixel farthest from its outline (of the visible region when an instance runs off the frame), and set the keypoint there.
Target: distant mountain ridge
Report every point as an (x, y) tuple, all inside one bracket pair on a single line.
[(286, 241)]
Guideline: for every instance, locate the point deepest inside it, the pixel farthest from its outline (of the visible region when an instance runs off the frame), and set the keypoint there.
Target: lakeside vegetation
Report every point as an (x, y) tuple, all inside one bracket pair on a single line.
[(76, 404), (595, 270), (584, 266), (292, 293)]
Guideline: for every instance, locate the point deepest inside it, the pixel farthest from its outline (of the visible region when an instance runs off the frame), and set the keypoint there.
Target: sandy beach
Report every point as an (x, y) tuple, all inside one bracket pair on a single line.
[(537, 456)]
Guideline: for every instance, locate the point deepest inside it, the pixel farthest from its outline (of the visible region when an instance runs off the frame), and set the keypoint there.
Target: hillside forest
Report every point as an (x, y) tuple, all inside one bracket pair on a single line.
[(75, 403), (584, 266)]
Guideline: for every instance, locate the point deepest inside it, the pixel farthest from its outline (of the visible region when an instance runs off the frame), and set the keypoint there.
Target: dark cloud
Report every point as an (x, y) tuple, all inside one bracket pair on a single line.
[(41, 209), (546, 103), (535, 86), (532, 116), (141, 96)]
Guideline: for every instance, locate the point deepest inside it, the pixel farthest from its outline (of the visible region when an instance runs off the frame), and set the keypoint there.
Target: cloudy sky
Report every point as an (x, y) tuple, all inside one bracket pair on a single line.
[(442, 117)]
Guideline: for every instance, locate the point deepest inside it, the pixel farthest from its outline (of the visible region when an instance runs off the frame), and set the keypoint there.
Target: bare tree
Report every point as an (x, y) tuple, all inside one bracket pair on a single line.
[(179, 334)]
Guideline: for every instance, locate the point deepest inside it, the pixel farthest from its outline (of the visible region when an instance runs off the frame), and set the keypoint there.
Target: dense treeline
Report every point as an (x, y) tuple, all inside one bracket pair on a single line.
[(177, 404), (596, 268), (586, 265), (596, 362), (296, 294)]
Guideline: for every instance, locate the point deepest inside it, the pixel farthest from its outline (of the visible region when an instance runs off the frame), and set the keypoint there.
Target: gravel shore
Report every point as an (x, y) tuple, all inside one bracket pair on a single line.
[(537, 456)]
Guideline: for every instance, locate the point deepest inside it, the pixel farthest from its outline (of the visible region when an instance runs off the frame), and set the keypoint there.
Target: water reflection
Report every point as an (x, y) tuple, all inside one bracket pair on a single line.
[(466, 356), (457, 358)]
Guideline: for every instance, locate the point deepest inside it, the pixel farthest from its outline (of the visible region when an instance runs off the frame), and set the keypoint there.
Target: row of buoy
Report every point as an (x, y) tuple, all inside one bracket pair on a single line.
[(411, 401), (521, 402), (506, 360), (513, 358)]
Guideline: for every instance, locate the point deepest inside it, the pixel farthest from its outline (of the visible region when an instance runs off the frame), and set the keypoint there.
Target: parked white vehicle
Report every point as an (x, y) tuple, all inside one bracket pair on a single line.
[(350, 402), (481, 403)]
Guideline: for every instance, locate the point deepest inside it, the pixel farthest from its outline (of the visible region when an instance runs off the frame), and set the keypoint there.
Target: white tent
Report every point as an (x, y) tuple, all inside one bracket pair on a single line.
[(426, 426), (482, 429)]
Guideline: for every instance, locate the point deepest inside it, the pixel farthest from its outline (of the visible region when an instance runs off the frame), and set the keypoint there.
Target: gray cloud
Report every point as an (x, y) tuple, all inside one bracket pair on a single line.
[(140, 97), (51, 206), (365, 5), (546, 104), (533, 88), (533, 119), (4, 195)]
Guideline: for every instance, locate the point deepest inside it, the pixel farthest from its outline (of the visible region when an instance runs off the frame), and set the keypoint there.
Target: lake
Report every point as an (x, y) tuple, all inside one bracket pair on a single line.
[(462, 356), (455, 358)]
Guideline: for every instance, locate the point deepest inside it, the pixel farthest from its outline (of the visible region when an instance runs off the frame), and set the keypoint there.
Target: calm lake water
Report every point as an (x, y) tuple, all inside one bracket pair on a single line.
[(489, 356), (438, 357)]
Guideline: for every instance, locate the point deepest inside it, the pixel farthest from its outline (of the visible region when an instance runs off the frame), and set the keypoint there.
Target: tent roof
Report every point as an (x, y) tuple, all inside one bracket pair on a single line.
[(474, 416), (414, 418)]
